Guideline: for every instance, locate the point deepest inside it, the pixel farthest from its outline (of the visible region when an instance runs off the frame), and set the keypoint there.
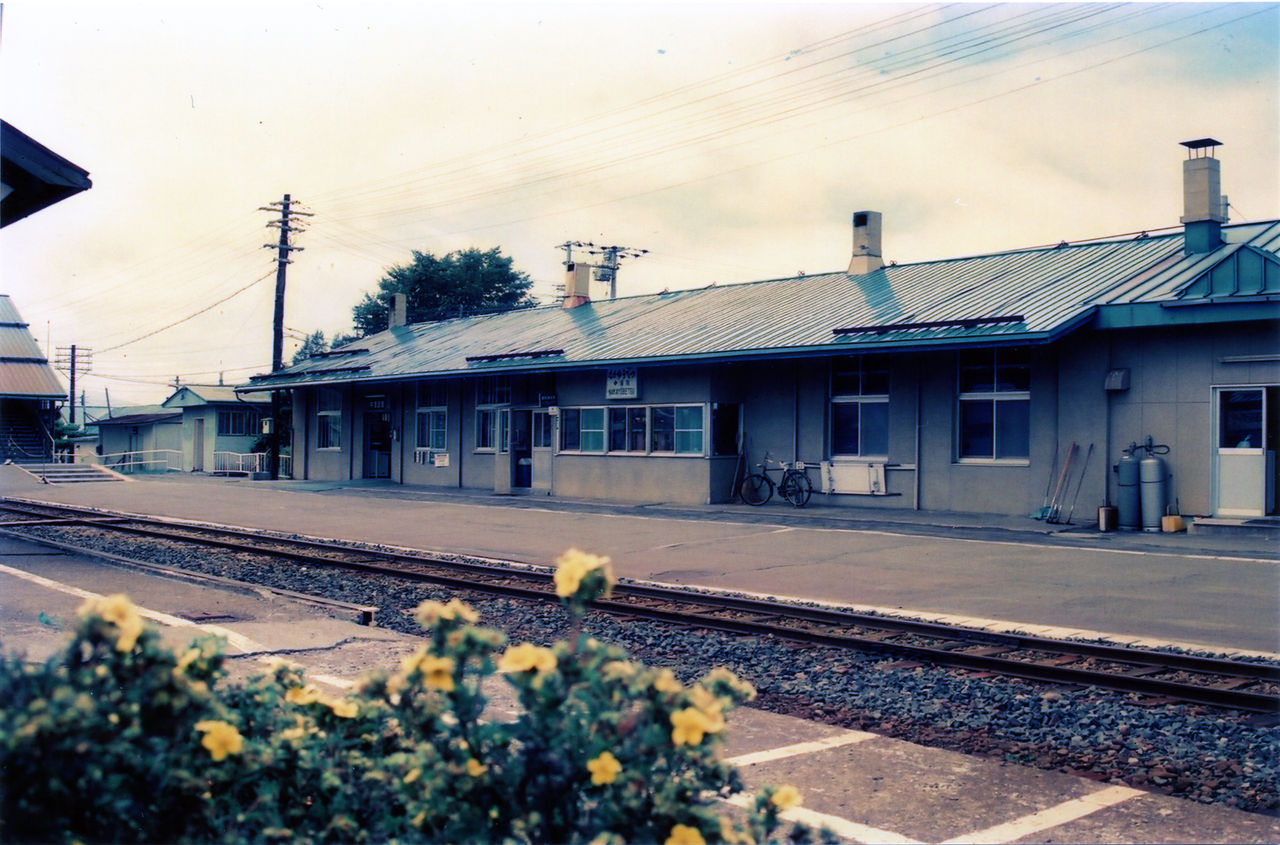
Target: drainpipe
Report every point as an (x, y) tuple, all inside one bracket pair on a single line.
[(795, 413), (915, 492), (307, 401)]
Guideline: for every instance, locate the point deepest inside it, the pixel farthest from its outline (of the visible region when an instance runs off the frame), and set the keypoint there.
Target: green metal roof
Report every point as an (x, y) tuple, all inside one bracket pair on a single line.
[(1023, 296)]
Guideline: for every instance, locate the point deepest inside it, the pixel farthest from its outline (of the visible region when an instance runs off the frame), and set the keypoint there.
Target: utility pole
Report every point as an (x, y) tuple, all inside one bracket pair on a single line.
[(73, 359), (607, 269), (285, 224)]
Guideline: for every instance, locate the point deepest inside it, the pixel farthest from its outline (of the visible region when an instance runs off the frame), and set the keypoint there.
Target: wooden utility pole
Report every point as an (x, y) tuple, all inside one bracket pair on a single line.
[(285, 224)]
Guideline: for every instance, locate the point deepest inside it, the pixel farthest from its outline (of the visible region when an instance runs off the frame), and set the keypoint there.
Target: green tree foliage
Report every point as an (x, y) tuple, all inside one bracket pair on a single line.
[(314, 344), (459, 284)]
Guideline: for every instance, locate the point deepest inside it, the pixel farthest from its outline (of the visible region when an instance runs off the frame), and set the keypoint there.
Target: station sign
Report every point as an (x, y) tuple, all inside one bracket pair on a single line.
[(621, 383)]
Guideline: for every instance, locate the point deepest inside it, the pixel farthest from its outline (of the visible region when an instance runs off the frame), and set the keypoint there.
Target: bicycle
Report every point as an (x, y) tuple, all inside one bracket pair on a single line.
[(794, 485)]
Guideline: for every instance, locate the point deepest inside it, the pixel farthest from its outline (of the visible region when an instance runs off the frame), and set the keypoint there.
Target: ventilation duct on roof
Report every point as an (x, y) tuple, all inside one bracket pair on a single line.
[(1202, 201), (867, 256), (577, 285), (397, 309)]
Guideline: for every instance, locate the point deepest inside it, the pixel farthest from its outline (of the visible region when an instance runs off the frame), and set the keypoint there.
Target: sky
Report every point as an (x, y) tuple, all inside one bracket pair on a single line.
[(733, 141)]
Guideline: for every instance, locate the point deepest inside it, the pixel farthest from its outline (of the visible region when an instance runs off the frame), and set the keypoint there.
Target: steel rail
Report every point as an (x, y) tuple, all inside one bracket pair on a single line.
[(706, 604)]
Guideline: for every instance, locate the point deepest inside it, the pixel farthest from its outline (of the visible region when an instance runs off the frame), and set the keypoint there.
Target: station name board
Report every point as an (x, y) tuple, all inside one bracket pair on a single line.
[(621, 383)]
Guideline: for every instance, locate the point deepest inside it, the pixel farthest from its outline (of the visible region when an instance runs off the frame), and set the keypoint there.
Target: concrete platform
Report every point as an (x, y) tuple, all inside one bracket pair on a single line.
[(1206, 593), (865, 787)]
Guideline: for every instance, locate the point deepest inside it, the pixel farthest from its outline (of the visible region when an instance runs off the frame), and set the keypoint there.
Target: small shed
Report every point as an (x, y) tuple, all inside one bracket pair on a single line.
[(145, 438), (219, 428)]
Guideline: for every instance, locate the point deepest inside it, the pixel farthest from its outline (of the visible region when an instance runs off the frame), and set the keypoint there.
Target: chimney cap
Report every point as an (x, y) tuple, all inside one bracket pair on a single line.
[(1201, 143)]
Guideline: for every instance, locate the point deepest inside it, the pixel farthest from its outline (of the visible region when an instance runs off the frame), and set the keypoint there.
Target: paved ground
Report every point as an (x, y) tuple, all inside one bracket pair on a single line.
[(865, 787), (1218, 593)]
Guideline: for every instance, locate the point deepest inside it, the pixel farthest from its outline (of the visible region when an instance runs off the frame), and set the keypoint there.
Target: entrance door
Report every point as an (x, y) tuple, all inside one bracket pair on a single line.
[(197, 446), (1244, 454), (377, 444), (521, 449), (543, 431)]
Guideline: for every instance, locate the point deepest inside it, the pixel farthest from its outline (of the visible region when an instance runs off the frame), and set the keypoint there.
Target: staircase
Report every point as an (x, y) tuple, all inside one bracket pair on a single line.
[(23, 440), (71, 473)]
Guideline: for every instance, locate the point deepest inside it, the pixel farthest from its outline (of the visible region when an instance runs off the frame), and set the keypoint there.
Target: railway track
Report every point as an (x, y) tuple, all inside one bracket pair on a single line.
[(1162, 676)]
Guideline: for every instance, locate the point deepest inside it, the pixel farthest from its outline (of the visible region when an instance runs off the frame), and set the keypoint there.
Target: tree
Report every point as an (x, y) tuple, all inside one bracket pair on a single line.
[(459, 284), (313, 344)]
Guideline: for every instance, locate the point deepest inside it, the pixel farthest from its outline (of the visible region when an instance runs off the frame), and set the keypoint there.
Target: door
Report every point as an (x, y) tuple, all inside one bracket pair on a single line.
[(521, 450), (1244, 451), (543, 432), (197, 446), (377, 444)]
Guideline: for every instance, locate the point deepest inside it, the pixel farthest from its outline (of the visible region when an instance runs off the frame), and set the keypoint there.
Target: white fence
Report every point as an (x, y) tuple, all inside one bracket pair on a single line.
[(154, 460), (249, 463)]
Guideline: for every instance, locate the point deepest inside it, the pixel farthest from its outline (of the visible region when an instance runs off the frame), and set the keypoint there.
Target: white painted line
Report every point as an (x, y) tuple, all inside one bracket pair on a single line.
[(238, 641), (782, 752), (844, 828), (1067, 811)]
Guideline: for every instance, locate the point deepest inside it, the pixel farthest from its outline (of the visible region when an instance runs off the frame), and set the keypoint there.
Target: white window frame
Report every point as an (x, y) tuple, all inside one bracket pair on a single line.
[(432, 416), (328, 420), (996, 396), (648, 430), (246, 419), (859, 397)]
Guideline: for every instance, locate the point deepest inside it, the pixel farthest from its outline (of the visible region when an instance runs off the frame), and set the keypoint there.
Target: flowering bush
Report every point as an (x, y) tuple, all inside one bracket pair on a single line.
[(119, 739)]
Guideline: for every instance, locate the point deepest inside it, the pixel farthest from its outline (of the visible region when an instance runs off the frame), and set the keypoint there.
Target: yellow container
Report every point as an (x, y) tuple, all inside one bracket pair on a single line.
[(1172, 524)]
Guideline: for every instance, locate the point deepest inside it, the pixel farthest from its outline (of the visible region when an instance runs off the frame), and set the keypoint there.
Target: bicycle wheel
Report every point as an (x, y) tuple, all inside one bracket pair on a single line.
[(796, 488), (756, 489)]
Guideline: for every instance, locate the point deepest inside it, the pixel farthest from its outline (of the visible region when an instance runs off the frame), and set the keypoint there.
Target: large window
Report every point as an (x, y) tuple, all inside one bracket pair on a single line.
[(328, 419), (633, 429), (993, 415), (433, 416), (236, 423), (860, 407), (491, 421), (493, 390)]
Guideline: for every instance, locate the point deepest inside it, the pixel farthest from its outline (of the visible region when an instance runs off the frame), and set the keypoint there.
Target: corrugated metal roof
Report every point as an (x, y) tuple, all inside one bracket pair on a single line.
[(140, 414), (209, 394), (1037, 294), (24, 371)]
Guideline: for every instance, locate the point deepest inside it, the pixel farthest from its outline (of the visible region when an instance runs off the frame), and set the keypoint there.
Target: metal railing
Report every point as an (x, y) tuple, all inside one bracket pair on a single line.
[(151, 460), (249, 463)]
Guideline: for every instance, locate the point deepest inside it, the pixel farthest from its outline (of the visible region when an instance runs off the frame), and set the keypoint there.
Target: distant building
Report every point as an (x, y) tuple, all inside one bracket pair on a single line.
[(143, 438), (216, 420), (952, 385), (29, 392)]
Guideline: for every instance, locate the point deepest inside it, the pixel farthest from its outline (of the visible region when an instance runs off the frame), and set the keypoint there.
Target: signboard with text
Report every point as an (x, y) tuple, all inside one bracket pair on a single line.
[(621, 383)]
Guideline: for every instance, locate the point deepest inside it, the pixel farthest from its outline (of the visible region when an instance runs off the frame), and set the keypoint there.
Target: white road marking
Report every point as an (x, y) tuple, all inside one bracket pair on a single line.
[(799, 748), (1067, 811), (842, 827), (238, 641)]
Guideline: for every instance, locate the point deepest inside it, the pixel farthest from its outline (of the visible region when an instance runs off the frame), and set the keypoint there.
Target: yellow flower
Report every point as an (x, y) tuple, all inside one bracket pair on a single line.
[(573, 566), (732, 835), (344, 709), (618, 670), (785, 797), (119, 611), (220, 738), (475, 768), (526, 657), (293, 733), (666, 682), (689, 725), (604, 768), (188, 657), (413, 775), (682, 834), (437, 672), (706, 702), (302, 695), (431, 612)]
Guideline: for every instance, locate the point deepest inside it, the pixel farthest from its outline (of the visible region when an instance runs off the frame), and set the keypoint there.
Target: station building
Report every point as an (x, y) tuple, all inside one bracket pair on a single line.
[(952, 385)]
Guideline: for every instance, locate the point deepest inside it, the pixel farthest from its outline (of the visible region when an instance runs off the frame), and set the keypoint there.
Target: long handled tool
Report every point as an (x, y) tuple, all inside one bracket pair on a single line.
[(1060, 490), (1083, 469), (1048, 485)]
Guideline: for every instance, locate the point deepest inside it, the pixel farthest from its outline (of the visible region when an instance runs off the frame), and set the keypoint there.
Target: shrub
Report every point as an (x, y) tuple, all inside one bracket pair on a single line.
[(118, 739)]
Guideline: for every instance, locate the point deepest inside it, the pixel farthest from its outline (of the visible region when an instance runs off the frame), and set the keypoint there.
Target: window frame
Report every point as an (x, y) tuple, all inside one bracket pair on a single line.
[(631, 415), (245, 416), (996, 393), (866, 388), (328, 420), (432, 409)]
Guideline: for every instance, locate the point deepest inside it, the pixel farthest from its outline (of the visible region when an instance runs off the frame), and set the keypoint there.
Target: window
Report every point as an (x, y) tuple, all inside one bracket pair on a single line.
[(328, 419), (628, 429), (860, 406), (236, 423), (676, 428), (433, 408), (582, 430), (637, 429), (1240, 415), (543, 429), (484, 429), (688, 430), (493, 390), (993, 418)]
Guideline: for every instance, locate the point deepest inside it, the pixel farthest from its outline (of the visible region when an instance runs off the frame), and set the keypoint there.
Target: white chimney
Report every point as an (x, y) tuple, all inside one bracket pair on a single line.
[(867, 256), (577, 285), (1202, 201), (396, 310)]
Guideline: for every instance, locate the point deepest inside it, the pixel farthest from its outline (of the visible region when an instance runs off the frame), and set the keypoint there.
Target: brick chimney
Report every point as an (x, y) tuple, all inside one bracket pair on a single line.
[(396, 310), (577, 285), (867, 256), (1202, 201)]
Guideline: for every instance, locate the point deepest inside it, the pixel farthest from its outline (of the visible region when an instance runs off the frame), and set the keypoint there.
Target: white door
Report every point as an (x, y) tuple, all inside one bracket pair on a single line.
[(197, 446), (1244, 459)]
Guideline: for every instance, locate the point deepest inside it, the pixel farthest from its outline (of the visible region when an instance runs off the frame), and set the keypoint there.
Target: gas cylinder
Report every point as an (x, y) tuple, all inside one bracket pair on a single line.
[(1154, 491), (1128, 500)]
